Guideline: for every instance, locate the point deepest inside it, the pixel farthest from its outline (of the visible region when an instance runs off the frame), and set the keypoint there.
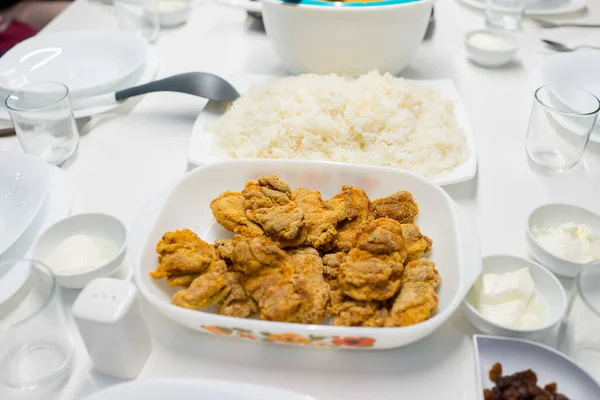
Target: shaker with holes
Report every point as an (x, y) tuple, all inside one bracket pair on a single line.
[(107, 313)]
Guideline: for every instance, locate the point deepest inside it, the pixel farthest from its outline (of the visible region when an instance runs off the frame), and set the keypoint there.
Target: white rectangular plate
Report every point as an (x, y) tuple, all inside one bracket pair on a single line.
[(202, 141)]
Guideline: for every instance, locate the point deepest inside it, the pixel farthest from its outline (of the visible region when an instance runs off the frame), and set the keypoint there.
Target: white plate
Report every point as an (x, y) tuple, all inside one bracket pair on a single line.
[(201, 389), (56, 206), (572, 69), (201, 141), (541, 7), (23, 184), (517, 355), (87, 62), (456, 248), (145, 75)]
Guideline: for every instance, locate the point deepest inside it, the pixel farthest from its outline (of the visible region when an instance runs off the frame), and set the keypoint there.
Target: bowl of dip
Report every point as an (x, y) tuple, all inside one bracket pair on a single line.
[(82, 247), (564, 238), (515, 297), (342, 37), (491, 48)]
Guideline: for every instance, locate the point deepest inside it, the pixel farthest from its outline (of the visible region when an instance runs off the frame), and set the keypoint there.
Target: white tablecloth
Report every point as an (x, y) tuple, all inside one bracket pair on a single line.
[(124, 161)]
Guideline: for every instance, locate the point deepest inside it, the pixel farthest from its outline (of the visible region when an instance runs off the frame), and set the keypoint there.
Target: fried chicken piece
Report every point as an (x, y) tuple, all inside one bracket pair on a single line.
[(224, 249), (416, 243), (382, 236), (366, 276), (353, 207), (251, 256), (183, 253), (267, 203), (360, 313), (399, 206), (422, 270), (331, 265), (229, 211), (237, 303), (183, 281), (416, 302), (308, 264), (206, 290)]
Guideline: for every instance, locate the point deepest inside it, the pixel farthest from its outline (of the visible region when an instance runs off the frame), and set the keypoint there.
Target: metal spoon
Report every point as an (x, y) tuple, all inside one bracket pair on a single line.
[(201, 84), (550, 24), (563, 48)]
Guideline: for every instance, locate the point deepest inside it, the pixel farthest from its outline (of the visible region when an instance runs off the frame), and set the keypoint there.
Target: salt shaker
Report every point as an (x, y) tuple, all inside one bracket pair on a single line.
[(107, 313)]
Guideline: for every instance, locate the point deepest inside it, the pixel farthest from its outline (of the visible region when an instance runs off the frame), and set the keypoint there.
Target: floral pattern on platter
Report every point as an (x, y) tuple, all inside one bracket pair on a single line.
[(293, 338)]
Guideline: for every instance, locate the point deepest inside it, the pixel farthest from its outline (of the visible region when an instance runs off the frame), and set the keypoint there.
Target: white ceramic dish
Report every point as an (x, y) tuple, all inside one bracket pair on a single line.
[(555, 215), (88, 62), (546, 285), (344, 38), (202, 141), (578, 69), (23, 184), (94, 225), (179, 389), (517, 355), (540, 7), (145, 75), (187, 205), (56, 206), (491, 58)]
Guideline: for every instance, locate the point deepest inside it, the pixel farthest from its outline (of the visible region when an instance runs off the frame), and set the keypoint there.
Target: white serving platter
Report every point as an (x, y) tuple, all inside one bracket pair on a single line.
[(540, 7), (201, 141)]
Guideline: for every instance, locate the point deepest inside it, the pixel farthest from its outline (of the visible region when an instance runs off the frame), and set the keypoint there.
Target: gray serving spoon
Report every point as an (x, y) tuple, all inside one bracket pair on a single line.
[(563, 48), (201, 84)]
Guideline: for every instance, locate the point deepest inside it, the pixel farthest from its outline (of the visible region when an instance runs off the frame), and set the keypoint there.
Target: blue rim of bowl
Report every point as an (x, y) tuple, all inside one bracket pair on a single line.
[(345, 4)]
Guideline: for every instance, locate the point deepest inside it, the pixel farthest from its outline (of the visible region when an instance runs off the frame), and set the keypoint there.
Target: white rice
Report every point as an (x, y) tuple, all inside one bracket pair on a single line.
[(375, 119)]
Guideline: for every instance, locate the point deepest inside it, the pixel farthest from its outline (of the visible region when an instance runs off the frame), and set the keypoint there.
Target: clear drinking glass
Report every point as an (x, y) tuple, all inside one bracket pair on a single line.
[(35, 346), (579, 332), (140, 16), (43, 119), (504, 14), (562, 118)]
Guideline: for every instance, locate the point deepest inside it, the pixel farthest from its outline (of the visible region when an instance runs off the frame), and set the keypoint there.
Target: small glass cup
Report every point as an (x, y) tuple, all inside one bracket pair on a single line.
[(560, 124), (140, 16), (43, 119), (36, 348), (579, 332), (504, 14)]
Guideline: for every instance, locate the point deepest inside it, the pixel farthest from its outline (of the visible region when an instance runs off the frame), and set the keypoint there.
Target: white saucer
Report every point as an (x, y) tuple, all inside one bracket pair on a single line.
[(572, 69), (540, 7), (56, 206), (146, 75)]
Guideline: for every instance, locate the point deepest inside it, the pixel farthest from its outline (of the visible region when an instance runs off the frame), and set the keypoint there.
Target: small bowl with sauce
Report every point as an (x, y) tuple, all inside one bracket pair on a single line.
[(491, 48), (564, 238), (495, 304), (82, 247)]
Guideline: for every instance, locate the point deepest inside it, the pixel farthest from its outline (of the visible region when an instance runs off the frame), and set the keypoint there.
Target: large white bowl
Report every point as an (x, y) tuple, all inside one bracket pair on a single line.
[(344, 38), (455, 248)]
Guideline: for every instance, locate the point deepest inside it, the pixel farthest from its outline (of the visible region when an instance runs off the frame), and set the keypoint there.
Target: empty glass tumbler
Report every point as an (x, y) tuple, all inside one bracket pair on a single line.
[(579, 332), (504, 14), (43, 120), (35, 346), (141, 16), (560, 124)]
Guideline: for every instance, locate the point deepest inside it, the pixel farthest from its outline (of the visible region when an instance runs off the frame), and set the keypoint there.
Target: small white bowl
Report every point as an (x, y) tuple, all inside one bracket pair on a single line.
[(93, 224), (546, 285), (555, 215), (487, 56), (517, 355)]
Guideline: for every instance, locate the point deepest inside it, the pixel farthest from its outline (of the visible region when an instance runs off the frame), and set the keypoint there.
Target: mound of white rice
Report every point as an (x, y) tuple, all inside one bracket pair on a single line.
[(375, 119)]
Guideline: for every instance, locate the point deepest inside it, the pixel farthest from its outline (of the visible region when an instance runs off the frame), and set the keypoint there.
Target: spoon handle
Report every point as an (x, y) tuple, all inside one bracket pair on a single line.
[(175, 83)]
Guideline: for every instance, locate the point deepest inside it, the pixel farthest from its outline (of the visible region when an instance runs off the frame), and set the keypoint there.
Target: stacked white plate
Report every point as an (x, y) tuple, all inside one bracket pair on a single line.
[(33, 196), (540, 7), (89, 63)]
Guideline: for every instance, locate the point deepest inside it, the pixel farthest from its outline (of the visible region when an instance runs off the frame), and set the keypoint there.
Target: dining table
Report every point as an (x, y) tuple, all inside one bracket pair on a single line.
[(128, 158)]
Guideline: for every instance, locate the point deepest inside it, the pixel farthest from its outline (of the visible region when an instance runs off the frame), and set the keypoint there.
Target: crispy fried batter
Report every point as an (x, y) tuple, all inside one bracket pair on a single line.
[(308, 264), (229, 211), (224, 249), (353, 208), (416, 303), (422, 270), (237, 303), (331, 264), (183, 280), (206, 290), (416, 243), (399, 206), (182, 253), (365, 276), (382, 236), (360, 313)]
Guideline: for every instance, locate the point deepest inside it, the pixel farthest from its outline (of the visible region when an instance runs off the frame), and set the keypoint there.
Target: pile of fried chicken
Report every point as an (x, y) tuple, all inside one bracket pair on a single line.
[(298, 258)]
